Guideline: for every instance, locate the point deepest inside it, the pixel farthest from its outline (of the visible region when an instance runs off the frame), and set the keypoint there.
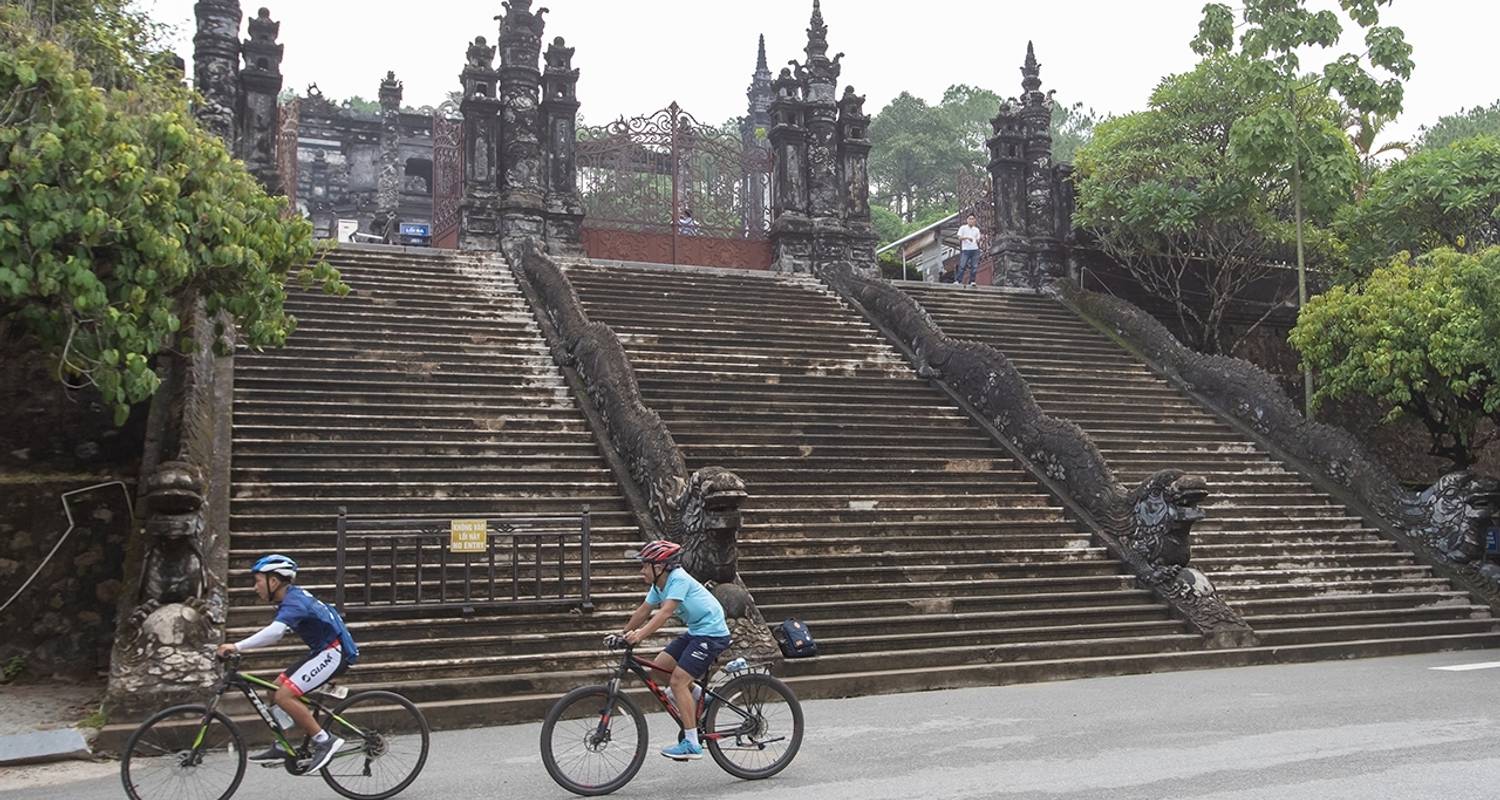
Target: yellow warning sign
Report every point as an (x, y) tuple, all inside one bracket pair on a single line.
[(469, 536)]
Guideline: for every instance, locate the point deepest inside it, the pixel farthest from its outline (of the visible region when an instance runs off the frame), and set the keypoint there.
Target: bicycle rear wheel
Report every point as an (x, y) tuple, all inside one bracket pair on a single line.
[(590, 746), (385, 745), (755, 730), (176, 754)]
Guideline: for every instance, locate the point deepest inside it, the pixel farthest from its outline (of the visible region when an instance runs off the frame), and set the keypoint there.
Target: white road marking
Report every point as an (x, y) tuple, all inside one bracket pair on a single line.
[(1467, 667)]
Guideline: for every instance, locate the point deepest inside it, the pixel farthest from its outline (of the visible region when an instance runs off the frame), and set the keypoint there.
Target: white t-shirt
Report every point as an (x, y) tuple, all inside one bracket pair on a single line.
[(969, 236)]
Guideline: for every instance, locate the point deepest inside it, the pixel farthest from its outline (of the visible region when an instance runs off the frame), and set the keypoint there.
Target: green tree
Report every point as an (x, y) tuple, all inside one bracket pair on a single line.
[(1277, 135), (1439, 197), (1419, 336), (359, 105), (116, 209), (915, 157), (1165, 193), (1466, 124), (1072, 128), (887, 224)]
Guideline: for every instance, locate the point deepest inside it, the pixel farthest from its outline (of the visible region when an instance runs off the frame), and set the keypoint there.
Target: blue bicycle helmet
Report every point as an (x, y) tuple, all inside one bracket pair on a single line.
[(278, 565)]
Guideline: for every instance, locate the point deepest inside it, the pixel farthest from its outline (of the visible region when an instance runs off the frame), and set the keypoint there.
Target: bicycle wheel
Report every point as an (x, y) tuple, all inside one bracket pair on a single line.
[(385, 745), (585, 746), (754, 732), (174, 754)]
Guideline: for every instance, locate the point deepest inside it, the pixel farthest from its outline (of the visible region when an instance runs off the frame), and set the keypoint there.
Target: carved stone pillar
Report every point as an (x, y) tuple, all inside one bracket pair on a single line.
[(522, 195), (479, 213), (560, 122), (1041, 197), (388, 182), (754, 137), (260, 83), (216, 66), (791, 229), (1008, 189), (854, 156)]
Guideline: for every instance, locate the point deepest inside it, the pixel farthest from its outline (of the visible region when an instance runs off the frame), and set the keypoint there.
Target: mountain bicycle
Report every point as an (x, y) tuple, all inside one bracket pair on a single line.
[(594, 738), (197, 751)]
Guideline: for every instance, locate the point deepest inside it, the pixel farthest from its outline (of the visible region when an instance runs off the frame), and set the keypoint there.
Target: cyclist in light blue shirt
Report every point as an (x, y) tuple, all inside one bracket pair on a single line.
[(676, 593)]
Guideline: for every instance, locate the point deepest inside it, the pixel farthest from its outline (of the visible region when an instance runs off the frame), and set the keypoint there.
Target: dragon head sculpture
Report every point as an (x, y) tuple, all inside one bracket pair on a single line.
[(1163, 509), (709, 524), (1453, 515)]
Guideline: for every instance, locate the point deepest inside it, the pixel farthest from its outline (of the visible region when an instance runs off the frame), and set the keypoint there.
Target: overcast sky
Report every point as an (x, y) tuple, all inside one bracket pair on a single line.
[(639, 56)]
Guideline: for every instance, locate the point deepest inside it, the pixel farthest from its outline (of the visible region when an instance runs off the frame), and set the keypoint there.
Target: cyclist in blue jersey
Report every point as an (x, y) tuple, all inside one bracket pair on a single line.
[(688, 657), (332, 651)]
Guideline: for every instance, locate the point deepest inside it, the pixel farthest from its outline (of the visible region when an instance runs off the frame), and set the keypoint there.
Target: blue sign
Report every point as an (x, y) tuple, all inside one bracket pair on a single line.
[(415, 229), (1492, 541)]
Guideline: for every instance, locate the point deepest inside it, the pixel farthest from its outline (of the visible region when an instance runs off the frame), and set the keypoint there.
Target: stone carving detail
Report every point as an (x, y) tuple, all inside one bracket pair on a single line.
[(1146, 527), (1443, 524), (699, 510)]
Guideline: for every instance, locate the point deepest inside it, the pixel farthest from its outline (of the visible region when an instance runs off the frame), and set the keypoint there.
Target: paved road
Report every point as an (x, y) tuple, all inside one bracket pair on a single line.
[(1381, 728)]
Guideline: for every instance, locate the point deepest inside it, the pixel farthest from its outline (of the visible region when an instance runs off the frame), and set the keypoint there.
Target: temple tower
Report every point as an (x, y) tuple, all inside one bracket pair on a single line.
[(755, 131), (564, 207), (854, 156), (216, 66), (522, 195), (1032, 208), (479, 211), (388, 181), (260, 83)]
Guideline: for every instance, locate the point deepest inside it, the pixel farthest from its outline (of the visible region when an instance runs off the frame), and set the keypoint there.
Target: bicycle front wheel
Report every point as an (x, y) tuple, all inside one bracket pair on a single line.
[(754, 731), (385, 745), (183, 752), (590, 746)]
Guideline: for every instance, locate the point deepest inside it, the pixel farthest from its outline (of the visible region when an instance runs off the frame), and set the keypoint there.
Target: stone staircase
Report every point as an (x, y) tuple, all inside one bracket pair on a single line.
[(427, 392), (919, 552), (1296, 564)]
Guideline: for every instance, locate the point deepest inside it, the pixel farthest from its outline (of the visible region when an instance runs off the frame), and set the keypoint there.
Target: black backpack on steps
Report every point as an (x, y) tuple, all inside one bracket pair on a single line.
[(795, 639)]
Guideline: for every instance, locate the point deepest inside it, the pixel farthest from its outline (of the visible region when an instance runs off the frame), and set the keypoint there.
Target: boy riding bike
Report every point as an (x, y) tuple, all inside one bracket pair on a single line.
[(322, 630), (690, 655)]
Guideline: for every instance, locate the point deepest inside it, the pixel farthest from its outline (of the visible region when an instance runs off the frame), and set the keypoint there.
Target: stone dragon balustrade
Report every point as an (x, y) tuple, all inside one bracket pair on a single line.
[(175, 602), (1146, 527), (1444, 524), (699, 510)]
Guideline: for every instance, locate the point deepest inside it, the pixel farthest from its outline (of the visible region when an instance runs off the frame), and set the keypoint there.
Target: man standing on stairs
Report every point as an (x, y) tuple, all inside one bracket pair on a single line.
[(968, 251), (690, 655), (332, 652)]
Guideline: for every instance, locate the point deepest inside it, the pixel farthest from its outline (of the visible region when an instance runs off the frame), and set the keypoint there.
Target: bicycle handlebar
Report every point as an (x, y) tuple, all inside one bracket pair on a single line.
[(615, 641)]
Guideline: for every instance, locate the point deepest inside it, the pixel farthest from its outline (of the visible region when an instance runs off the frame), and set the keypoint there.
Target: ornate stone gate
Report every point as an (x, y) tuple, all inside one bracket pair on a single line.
[(664, 188)]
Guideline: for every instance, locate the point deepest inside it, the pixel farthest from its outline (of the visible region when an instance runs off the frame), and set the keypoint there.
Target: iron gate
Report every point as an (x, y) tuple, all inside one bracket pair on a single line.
[(412, 564), (665, 188), (447, 180)]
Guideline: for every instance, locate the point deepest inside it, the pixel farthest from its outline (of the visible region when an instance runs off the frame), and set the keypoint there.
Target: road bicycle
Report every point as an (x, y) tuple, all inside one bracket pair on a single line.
[(594, 738), (198, 752)]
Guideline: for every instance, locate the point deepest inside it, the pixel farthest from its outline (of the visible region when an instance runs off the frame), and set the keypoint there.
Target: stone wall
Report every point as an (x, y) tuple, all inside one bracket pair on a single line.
[(55, 441), (64, 622)]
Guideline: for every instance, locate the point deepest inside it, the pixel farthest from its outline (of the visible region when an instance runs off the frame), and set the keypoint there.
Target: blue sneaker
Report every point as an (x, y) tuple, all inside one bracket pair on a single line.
[(683, 751)]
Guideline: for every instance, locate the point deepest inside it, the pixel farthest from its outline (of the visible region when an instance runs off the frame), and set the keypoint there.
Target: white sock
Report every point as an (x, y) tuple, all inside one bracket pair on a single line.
[(692, 736), (320, 737)]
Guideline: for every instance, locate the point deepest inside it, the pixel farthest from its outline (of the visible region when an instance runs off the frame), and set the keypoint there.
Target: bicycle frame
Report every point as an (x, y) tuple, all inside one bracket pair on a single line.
[(643, 667), (247, 684)]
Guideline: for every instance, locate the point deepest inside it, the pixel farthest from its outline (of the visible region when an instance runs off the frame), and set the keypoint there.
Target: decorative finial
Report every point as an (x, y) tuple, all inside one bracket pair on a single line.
[(760, 57), (1031, 76)]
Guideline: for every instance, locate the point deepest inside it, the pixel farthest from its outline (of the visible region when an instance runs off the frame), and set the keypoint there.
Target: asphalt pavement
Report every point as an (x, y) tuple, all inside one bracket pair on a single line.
[(1403, 728)]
